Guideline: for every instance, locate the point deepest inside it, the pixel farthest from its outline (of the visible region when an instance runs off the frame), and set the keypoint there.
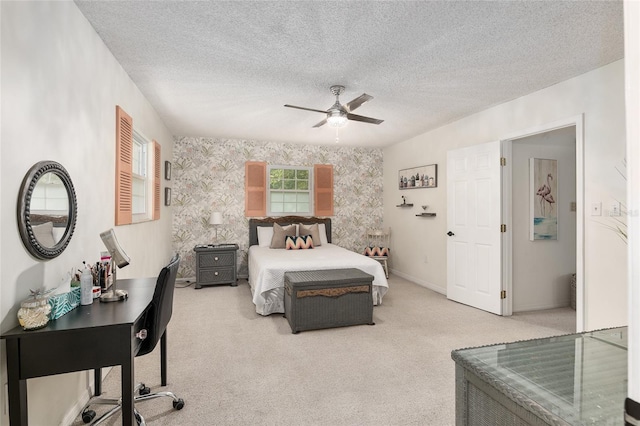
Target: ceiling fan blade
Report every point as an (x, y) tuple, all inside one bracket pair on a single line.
[(356, 117), (322, 123), (357, 102), (306, 109)]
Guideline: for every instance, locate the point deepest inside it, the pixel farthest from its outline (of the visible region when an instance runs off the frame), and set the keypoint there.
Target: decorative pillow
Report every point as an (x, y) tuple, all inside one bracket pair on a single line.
[(44, 234), (265, 235), (312, 230), (298, 243), (279, 234), (323, 233), (57, 234), (376, 251)]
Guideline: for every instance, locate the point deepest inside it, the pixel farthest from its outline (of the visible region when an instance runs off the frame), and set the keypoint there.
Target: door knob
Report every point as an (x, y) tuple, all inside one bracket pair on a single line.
[(451, 234)]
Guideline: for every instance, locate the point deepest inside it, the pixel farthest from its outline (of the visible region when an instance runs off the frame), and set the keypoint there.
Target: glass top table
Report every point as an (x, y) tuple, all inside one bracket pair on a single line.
[(580, 379)]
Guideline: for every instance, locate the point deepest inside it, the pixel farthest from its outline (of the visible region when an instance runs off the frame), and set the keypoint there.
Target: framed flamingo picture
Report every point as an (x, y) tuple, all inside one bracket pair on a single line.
[(543, 176)]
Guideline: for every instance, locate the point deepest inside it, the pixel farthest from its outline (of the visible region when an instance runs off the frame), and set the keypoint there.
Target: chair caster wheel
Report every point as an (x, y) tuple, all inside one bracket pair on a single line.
[(144, 390), (88, 415), (139, 420), (179, 404)]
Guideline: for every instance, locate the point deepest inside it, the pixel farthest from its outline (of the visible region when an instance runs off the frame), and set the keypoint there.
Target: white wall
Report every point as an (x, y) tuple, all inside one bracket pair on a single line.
[(542, 269), (419, 245), (60, 86), (632, 47)]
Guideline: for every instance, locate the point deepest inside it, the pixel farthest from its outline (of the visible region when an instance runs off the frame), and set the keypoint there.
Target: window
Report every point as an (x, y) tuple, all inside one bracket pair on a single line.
[(290, 190), (140, 181), (50, 196), (137, 173), (287, 190)]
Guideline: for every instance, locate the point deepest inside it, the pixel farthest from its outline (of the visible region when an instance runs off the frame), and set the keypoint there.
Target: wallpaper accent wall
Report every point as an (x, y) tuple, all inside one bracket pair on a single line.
[(208, 175)]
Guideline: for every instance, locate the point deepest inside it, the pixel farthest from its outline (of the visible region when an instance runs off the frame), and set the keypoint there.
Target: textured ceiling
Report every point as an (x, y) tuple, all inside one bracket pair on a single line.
[(226, 68)]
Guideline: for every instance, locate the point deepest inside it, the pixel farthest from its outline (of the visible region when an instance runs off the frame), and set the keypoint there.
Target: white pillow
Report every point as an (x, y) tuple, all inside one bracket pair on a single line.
[(265, 234), (323, 233), (44, 234), (57, 234)]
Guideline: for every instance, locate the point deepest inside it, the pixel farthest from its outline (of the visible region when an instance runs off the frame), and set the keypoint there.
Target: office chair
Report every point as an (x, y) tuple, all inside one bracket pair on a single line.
[(155, 322), (378, 246)]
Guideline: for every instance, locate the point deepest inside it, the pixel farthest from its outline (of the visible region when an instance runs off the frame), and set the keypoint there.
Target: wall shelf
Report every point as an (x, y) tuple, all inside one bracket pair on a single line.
[(405, 205), (426, 215)]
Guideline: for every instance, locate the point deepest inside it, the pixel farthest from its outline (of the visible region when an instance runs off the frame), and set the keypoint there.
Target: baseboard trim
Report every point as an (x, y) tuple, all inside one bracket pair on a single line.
[(421, 283), (541, 307)]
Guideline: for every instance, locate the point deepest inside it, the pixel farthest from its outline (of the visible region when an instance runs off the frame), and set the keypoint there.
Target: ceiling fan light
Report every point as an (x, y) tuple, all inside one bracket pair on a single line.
[(337, 119)]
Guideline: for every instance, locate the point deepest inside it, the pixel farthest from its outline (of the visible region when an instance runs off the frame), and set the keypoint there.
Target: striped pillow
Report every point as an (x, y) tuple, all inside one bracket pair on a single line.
[(298, 243), (376, 251)]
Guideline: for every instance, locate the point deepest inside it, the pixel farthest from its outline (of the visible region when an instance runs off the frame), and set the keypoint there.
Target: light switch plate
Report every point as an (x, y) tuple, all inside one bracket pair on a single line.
[(596, 209), (614, 209)]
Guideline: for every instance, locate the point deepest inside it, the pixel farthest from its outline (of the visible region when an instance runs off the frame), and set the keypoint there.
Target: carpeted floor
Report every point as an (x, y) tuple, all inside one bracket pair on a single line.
[(235, 367)]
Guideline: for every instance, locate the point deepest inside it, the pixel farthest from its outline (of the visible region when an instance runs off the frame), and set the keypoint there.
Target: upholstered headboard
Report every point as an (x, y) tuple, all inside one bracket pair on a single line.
[(59, 221), (285, 220)]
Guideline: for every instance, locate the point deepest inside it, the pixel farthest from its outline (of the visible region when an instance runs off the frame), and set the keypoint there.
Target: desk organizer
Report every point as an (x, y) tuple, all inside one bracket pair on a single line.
[(64, 303)]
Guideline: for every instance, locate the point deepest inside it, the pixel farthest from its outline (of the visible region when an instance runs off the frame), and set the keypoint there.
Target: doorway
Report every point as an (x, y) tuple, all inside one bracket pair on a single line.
[(462, 273), (538, 274), (542, 269)]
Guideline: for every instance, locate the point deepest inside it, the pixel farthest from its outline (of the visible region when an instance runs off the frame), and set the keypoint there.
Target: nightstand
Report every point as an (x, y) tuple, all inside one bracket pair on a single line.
[(216, 264)]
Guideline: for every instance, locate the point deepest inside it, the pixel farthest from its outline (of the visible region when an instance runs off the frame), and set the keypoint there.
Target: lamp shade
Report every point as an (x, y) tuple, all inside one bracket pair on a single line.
[(337, 118), (215, 219)]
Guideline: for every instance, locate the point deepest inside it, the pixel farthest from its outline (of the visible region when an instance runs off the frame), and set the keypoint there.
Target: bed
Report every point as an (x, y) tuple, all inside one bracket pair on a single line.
[(268, 265)]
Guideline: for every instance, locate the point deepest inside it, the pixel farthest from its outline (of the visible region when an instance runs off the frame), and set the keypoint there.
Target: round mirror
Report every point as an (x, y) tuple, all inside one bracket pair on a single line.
[(46, 209)]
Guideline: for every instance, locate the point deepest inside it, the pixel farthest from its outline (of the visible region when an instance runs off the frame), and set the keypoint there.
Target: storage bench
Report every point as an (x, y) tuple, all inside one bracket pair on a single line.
[(327, 298)]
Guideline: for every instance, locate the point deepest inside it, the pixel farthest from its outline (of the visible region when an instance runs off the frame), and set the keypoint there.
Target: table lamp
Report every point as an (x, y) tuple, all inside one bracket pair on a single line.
[(119, 259), (215, 220)]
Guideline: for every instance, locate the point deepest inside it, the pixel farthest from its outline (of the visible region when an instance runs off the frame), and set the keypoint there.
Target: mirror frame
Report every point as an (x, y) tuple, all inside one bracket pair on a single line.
[(24, 209)]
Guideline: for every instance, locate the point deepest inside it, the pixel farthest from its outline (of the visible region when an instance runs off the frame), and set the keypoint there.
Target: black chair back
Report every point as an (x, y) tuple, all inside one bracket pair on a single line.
[(159, 313)]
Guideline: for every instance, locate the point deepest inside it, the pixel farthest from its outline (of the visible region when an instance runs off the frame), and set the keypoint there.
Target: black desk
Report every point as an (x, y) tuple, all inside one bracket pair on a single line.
[(89, 337)]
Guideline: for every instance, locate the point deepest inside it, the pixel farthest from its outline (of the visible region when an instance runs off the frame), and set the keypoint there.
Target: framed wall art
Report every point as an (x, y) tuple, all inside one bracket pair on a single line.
[(167, 170), (543, 196), (167, 196), (418, 177)]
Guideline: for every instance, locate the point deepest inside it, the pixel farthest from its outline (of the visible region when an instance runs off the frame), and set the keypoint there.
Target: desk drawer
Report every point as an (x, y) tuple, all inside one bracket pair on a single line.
[(138, 335), (90, 348)]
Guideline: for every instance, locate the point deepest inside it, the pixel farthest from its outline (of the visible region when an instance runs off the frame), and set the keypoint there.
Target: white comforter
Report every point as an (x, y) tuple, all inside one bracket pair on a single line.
[(267, 267)]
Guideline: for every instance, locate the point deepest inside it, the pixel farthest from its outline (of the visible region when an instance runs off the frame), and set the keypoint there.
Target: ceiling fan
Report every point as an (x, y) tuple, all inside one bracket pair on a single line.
[(338, 114)]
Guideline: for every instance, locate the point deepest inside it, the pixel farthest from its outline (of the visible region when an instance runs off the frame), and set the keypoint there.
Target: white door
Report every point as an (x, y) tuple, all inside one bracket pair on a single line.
[(473, 220)]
